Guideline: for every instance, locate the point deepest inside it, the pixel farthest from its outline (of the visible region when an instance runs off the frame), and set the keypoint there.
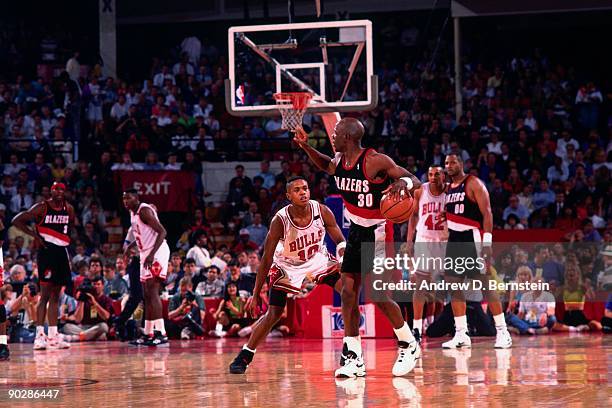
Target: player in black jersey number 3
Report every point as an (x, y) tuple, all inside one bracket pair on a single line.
[(54, 219), (362, 177)]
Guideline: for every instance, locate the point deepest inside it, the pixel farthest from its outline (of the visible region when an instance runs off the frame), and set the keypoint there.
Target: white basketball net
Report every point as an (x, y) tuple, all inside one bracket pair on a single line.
[(292, 107)]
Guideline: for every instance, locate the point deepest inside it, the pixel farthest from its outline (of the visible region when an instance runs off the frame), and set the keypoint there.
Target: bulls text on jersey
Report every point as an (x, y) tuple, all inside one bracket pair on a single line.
[(306, 240)]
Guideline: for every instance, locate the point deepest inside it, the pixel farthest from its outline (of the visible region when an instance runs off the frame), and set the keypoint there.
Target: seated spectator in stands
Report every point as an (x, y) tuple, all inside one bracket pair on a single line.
[(152, 162), (267, 176), (252, 264), (94, 214), (556, 209), (536, 313), (114, 285), (17, 278), (90, 320), (590, 233), (257, 231), (95, 268), (541, 219), (230, 314), (573, 294), (544, 197), (557, 172), (186, 312), (80, 254), (516, 208), (175, 272), (91, 237), (126, 163), (513, 223), (199, 252), (172, 162), (244, 242), (243, 282), (66, 304), (22, 311), (213, 286), (567, 221), (546, 268), (22, 201)]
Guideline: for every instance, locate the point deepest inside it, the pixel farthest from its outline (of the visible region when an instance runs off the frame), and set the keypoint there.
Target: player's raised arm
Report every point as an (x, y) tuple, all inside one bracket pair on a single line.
[(320, 160), (21, 221), (332, 228), (274, 235), (147, 216)]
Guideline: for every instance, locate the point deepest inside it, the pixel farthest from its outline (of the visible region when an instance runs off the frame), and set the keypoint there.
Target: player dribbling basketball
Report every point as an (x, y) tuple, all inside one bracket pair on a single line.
[(294, 247), (362, 177)]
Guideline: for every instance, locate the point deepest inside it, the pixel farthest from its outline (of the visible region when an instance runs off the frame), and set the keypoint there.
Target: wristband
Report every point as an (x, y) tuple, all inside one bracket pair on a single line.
[(487, 239), (341, 245), (408, 181)]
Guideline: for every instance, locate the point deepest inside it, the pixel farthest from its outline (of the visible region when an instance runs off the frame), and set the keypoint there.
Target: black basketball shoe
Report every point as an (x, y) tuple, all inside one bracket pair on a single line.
[(241, 362), (5, 354)]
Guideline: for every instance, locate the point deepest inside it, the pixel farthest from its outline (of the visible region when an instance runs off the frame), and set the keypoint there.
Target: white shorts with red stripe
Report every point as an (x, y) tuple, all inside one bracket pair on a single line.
[(159, 269), (289, 278)]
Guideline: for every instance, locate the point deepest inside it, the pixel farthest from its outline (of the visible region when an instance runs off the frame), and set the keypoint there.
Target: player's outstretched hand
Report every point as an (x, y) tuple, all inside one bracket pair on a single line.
[(301, 137), (397, 189), (251, 305)]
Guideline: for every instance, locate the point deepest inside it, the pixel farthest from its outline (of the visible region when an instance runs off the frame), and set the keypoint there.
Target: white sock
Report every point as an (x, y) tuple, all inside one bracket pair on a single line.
[(500, 321), (3, 339), (246, 347), (461, 323), (148, 329), (417, 324), (218, 327), (52, 331), (354, 344), (573, 329), (159, 326), (40, 331), (404, 333)]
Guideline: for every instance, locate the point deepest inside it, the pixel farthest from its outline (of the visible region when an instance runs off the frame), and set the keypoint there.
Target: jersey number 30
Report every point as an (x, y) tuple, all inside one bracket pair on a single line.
[(365, 200)]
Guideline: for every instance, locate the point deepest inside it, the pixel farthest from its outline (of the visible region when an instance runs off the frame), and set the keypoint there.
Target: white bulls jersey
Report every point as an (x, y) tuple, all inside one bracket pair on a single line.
[(301, 252), (145, 235), (301, 244), (430, 226)]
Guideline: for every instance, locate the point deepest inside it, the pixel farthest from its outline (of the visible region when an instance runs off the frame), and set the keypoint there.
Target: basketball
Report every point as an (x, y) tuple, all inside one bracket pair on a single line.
[(398, 211)]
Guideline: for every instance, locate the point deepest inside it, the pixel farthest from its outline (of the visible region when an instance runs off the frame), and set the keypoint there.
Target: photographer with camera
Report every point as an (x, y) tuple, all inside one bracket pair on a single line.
[(94, 309), (22, 312), (186, 312)]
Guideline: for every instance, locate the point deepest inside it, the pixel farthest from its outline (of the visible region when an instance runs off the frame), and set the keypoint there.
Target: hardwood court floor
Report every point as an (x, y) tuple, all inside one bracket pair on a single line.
[(558, 370)]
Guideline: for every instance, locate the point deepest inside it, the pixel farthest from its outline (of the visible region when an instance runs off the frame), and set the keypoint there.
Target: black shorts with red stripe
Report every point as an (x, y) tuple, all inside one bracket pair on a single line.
[(54, 264), (278, 297), (461, 245)]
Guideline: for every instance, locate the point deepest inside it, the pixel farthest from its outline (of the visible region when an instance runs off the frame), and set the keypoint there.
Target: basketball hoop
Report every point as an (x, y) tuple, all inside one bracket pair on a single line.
[(292, 106)]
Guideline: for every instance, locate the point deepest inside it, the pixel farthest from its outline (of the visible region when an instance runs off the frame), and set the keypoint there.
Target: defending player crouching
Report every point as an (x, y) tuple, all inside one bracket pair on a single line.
[(293, 248)]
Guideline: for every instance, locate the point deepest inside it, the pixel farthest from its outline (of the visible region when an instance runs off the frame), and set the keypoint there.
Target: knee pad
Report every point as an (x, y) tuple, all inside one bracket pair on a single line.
[(2, 313)]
